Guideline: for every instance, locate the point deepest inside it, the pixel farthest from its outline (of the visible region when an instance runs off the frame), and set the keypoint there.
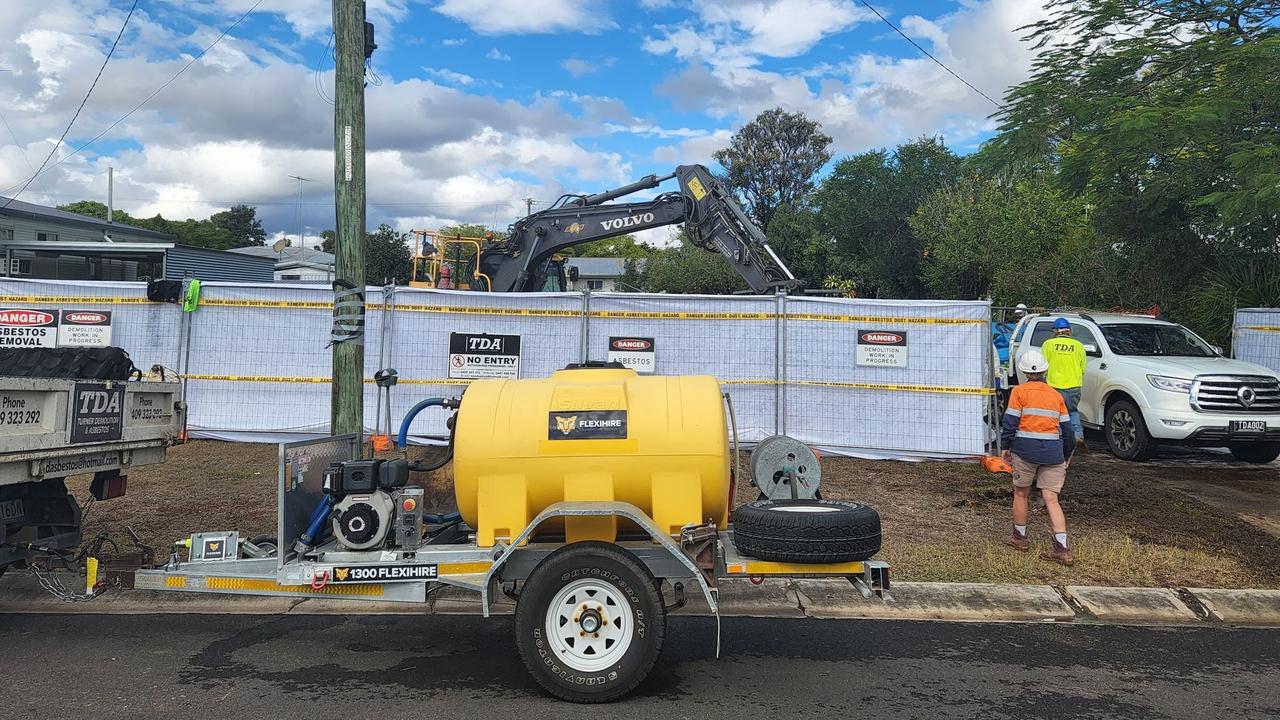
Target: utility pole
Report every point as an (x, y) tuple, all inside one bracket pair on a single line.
[(351, 49), (528, 206), (302, 242)]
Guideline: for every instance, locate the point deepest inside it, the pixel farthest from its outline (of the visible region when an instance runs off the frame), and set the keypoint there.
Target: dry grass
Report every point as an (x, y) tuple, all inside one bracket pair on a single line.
[(1129, 524)]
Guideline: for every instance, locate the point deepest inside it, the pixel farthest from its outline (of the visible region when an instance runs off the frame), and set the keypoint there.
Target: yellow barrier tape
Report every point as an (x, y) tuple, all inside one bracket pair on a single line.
[(944, 389), (1261, 328), (69, 300)]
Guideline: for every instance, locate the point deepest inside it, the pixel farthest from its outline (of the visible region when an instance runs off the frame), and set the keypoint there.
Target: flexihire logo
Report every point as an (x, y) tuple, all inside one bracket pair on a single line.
[(384, 573), (587, 425)]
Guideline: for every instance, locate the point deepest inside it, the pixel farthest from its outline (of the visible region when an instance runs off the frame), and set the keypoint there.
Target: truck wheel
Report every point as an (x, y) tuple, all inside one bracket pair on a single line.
[(590, 622), (1259, 453), (1127, 435), (807, 531)]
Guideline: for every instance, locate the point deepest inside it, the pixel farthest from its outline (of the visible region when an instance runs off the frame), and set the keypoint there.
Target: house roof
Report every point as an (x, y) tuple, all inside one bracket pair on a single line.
[(310, 256), (18, 208), (598, 267)]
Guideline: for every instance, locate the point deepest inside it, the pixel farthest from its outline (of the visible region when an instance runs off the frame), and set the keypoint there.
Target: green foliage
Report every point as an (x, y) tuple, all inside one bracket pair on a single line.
[(688, 269), (772, 160), (242, 222), (1237, 282), (864, 205), (622, 246), (810, 254), (237, 227), (328, 240), (387, 256)]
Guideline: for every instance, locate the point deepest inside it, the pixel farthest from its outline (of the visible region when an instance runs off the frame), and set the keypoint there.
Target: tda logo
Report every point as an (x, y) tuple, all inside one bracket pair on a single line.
[(484, 344), (882, 338), (626, 222), (98, 402), (29, 318)]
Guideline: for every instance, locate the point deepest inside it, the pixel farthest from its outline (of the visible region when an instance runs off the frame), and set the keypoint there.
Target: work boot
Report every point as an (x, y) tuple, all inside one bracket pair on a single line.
[(1081, 446), (1059, 554), (1017, 542)]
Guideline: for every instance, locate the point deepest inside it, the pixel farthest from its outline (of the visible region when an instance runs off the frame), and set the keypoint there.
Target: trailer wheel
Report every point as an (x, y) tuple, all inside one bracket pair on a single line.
[(590, 622), (807, 531)]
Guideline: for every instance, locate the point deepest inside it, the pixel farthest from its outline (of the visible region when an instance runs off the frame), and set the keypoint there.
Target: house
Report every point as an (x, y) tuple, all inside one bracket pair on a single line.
[(40, 242), (604, 274), (296, 264)]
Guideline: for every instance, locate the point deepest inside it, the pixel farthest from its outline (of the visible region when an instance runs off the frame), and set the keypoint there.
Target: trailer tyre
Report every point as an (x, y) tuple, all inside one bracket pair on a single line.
[(807, 531), (590, 622)]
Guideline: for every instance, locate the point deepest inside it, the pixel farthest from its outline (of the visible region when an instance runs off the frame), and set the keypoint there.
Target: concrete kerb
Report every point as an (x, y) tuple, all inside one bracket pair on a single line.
[(1116, 604)]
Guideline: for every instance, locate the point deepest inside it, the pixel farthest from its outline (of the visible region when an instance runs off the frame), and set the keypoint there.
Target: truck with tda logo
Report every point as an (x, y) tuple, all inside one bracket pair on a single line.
[(66, 412)]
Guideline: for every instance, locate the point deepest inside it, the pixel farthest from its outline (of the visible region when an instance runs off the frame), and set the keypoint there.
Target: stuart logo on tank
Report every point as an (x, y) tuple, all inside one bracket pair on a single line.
[(587, 425), (480, 355)]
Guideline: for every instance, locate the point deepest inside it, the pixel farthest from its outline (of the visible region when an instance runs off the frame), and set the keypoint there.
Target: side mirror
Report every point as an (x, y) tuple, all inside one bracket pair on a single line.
[(573, 273), (1092, 350), (1217, 350)]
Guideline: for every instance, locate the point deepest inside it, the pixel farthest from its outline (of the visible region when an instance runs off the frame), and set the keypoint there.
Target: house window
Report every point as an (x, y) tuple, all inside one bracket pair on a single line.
[(6, 234), (290, 277), (47, 237), (20, 266), (595, 284)]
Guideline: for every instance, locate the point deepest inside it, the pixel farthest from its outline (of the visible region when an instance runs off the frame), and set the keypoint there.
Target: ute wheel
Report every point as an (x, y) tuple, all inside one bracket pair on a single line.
[(1127, 435), (807, 531), (1258, 453), (590, 622)]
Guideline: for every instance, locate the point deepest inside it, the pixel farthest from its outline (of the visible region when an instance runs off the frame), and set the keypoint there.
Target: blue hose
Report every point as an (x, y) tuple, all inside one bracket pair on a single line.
[(402, 441)]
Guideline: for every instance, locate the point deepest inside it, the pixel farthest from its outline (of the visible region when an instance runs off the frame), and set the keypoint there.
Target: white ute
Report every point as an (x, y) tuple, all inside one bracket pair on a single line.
[(1149, 382)]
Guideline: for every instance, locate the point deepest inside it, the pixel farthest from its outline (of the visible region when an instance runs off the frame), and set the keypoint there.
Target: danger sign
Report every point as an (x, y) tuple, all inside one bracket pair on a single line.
[(882, 348), (84, 328), (473, 356), (633, 352), (23, 328)]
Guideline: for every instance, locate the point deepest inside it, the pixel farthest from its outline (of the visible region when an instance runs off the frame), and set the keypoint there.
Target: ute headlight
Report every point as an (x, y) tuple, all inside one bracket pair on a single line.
[(1172, 384)]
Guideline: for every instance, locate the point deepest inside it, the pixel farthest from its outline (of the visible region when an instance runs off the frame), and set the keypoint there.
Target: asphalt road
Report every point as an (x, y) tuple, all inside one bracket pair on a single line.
[(307, 667)]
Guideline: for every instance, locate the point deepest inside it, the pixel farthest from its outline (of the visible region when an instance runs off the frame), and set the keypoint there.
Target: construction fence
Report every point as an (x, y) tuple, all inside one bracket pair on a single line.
[(1255, 336), (873, 378)]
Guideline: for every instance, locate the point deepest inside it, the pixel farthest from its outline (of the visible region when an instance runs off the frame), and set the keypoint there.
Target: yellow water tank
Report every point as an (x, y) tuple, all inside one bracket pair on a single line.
[(658, 442)]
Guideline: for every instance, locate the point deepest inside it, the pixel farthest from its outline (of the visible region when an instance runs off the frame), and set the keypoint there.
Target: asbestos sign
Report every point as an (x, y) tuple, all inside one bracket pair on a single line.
[(475, 356), (84, 328), (633, 352), (882, 348), (22, 328)]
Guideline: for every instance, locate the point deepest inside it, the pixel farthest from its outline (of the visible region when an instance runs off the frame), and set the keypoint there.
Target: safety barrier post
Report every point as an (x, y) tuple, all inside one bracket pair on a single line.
[(780, 361), (584, 350)]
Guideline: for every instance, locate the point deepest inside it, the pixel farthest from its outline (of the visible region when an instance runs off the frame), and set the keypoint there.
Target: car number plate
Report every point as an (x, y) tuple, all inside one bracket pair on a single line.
[(1248, 426), (11, 510)]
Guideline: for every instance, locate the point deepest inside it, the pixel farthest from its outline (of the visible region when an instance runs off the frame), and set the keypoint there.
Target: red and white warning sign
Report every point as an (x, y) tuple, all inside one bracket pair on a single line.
[(25, 328), (84, 328), (633, 352), (882, 348)]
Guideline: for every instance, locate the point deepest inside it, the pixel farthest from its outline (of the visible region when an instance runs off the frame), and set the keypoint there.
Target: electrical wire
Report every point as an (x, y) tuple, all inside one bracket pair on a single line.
[(22, 150), (929, 55), (76, 116), (316, 76), (148, 98)]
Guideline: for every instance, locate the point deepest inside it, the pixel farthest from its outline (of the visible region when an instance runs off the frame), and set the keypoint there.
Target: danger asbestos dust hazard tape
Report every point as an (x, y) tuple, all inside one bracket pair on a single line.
[(499, 311), (942, 389)]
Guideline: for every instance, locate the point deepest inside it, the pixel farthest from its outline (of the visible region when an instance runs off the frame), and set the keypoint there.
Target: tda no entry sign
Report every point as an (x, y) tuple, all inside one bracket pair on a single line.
[(473, 356)]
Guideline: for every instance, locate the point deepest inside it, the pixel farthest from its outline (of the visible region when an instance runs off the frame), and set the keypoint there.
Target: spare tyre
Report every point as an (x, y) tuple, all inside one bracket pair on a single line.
[(807, 531)]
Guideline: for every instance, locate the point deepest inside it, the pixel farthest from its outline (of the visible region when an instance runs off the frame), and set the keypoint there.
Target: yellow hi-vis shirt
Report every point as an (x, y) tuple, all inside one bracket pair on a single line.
[(1066, 362)]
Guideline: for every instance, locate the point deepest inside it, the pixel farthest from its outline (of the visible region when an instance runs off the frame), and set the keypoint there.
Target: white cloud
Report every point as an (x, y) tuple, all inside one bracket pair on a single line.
[(496, 54), (730, 32), (449, 76), (453, 42), (578, 67), (499, 17)]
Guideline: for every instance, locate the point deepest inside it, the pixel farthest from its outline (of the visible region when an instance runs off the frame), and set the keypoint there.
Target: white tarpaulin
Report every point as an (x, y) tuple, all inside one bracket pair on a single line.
[(1255, 336), (258, 365)]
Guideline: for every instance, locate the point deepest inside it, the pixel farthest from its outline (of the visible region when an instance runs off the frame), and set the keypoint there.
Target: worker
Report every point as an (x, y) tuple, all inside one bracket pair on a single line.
[(1038, 439), (1020, 311), (1066, 370)]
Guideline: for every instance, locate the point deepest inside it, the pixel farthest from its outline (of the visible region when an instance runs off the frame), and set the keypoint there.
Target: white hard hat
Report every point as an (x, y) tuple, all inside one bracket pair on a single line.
[(1032, 361), (1021, 307)]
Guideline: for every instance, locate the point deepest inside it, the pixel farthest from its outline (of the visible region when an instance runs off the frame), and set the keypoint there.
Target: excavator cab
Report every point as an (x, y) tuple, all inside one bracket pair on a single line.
[(448, 262)]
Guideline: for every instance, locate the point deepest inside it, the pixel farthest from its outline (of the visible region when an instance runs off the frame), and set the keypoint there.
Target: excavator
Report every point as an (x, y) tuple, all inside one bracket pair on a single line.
[(527, 259)]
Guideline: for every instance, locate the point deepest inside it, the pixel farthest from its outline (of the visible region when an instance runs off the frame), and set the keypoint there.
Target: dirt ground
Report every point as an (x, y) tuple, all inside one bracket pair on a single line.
[(1183, 519)]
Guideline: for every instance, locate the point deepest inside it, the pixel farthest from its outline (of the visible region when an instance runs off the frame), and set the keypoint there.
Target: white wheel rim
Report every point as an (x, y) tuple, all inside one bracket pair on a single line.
[(581, 605)]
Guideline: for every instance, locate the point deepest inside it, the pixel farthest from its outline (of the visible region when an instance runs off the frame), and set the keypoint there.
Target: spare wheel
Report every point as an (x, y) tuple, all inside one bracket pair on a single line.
[(807, 531)]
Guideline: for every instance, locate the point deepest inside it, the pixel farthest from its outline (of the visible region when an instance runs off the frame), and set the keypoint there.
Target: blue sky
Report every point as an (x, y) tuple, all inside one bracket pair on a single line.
[(481, 103)]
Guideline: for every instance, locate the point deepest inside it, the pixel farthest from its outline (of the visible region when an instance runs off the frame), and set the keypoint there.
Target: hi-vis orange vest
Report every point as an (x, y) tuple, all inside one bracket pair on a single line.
[(1040, 411)]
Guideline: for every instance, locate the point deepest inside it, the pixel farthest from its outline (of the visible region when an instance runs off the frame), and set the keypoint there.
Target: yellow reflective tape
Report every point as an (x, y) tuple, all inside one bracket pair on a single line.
[(640, 315), (177, 581), (873, 319), (265, 585), (312, 380), (1261, 328), (763, 567), (463, 568), (69, 300)]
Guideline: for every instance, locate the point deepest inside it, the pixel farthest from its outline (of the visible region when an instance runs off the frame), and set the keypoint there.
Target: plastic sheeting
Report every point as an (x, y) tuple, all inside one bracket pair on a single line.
[(259, 368), (1256, 336)]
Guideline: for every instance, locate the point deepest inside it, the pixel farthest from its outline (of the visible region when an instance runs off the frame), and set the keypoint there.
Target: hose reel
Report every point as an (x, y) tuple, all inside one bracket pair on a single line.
[(784, 468)]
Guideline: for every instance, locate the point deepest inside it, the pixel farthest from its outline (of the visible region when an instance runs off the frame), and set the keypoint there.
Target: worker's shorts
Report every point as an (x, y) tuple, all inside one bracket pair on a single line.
[(1046, 477)]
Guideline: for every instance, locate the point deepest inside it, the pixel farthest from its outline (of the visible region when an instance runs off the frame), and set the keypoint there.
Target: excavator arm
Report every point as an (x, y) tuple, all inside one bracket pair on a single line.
[(712, 216)]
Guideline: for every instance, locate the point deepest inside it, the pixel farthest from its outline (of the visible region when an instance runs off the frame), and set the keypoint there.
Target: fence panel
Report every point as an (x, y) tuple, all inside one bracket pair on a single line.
[(928, 396), (1256, 336), (733, 338)]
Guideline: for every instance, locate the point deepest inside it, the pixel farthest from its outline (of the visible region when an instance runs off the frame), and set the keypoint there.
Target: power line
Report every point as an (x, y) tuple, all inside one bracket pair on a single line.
[(96, 78), (22, 150), (149, 98), (929, 55)]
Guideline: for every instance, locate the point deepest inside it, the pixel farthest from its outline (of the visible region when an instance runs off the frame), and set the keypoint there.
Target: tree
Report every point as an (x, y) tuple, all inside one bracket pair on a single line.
[(622, 246), (387, 256), (1165, 116), (328, 241), (772, 160), (687, 268), (809, 253), (864, 205), (242, 222)]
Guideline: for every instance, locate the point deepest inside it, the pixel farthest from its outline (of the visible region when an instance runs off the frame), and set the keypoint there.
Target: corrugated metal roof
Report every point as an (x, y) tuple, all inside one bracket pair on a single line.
[(18, 208), (185, 261), (298, 254), (598, 267)]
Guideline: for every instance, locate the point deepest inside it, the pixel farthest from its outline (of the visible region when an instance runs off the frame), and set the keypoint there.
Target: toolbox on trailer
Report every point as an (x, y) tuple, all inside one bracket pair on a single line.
[(606, 505)]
